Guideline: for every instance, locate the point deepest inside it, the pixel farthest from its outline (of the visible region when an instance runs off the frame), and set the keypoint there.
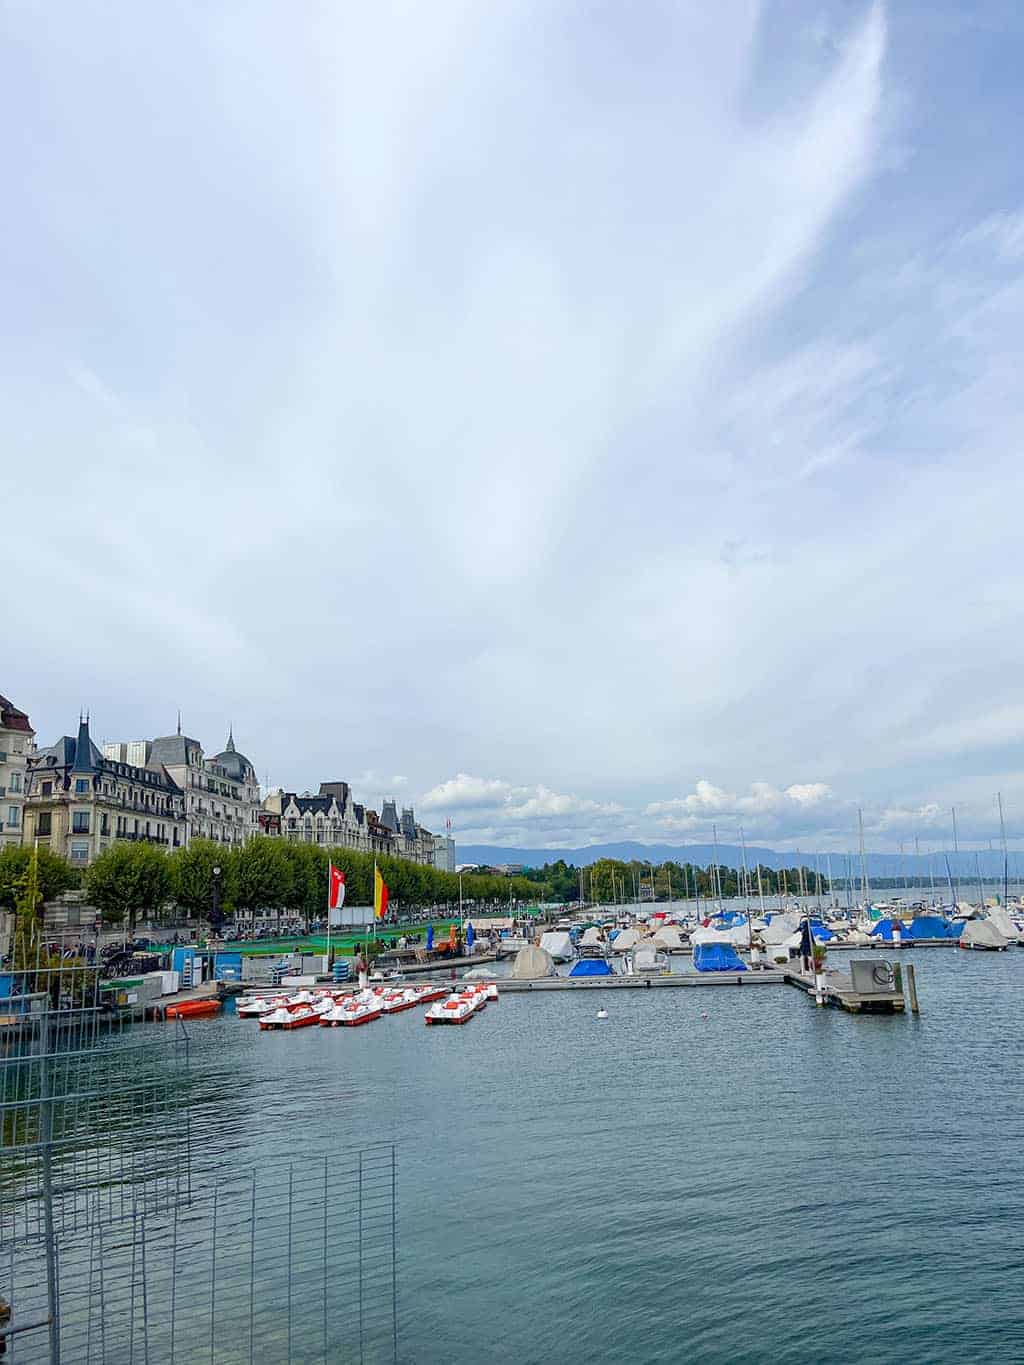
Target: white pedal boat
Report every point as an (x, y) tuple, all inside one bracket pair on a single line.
[(352, 1011)]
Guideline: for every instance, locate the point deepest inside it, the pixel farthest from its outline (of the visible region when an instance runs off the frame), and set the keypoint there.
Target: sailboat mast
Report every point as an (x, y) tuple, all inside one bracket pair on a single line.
[(865, 885), (956, 860), (1006, 859), (981, 889)]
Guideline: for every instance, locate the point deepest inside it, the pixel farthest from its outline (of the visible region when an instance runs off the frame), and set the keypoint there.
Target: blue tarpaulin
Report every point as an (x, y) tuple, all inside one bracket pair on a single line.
[(930, 926), (821, 933), (883, 929), (591, 966), (717, 957)]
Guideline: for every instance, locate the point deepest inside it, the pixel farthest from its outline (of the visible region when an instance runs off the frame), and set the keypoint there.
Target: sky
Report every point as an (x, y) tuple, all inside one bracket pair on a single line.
[(583, 421)]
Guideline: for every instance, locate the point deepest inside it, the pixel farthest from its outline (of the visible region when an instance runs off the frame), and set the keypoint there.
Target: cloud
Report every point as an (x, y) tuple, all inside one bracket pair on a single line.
[(557, 392), (465, 792), (479, 799)]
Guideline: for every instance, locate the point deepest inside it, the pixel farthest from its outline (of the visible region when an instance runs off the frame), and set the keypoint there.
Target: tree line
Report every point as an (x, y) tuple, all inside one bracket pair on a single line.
[(610, 881), (132, 881)]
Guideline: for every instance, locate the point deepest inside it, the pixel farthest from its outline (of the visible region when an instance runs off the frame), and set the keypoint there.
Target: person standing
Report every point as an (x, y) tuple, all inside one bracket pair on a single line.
[(363, 971)]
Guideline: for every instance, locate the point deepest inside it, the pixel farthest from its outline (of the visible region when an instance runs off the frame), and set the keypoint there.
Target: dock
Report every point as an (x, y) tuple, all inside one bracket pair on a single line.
[(508, 986), (839, 993), (838, 987)]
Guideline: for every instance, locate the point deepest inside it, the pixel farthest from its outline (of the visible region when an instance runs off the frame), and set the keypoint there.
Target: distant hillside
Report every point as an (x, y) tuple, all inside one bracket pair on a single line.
[(879, 864)]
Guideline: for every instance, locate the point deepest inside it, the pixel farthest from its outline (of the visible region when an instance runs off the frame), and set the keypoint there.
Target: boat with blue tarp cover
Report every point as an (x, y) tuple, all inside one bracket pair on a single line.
[(717, 957), (592, 966)]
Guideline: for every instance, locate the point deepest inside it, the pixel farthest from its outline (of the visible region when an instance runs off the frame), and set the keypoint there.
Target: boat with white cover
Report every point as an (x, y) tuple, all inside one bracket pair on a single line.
[(558, 946)]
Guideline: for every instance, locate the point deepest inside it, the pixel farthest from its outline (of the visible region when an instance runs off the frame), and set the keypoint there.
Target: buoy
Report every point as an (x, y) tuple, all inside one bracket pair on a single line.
[(703, 1014), (602, 1014)]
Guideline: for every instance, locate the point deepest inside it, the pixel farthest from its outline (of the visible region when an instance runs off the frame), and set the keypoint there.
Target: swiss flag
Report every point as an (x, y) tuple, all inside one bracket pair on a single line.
[(336, 889)]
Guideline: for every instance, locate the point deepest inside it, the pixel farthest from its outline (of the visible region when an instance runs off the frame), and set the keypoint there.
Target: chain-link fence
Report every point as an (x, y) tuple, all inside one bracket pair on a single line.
[(116, 1247)]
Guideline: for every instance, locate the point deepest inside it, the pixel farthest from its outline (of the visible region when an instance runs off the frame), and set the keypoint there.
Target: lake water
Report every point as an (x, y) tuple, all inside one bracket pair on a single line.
[(769, 1183)]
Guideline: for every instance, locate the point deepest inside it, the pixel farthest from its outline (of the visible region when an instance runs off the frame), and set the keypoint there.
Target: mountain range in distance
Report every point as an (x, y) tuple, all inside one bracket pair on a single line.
[(962, 864)]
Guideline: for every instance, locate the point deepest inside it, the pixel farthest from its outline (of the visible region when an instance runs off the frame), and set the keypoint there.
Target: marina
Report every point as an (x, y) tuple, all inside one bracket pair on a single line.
[(632, 1150)]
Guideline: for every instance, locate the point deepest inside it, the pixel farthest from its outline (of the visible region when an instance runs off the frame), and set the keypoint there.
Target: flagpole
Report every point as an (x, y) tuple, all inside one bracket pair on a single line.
[(328, 916)]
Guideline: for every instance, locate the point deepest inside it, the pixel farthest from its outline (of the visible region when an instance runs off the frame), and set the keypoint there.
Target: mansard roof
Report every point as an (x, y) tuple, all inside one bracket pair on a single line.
[(81, 756), (173, 749), (13, 719)]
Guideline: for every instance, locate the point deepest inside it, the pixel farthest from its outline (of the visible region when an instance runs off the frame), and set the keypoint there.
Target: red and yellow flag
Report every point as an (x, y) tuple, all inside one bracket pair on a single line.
[(380, 895)]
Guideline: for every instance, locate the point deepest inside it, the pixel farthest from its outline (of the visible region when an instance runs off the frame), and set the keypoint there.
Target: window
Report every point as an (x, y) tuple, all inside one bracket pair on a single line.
[(81, 785), (79, 853), (43, 823), (104, 824), (15, 782), (12, 817), (80, 822), (47, 788)]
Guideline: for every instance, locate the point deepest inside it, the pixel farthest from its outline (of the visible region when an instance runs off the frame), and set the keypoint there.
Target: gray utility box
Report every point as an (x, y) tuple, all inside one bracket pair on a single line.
[(874, 976)]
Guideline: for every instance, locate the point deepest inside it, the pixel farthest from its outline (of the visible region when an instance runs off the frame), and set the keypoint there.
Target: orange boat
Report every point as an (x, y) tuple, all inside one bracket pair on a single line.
[(193, 1009)]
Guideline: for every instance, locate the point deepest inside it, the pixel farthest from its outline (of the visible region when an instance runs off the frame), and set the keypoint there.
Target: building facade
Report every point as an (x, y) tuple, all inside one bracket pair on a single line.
[(222, 795), (79, 802), (332, 819), (16, 746), (444, 852)]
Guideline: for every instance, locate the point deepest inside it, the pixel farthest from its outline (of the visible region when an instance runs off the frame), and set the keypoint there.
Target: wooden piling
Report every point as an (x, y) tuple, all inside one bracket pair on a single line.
[(912, 987)]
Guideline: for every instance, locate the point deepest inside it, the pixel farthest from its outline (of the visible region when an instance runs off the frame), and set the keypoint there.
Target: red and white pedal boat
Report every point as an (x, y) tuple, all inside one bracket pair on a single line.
[(290, 1016), (458, 1008), (354, 1009), (259, 1005)]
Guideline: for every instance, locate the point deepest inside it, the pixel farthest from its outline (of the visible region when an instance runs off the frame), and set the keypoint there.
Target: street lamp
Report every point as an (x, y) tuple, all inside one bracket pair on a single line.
[(216, 918)]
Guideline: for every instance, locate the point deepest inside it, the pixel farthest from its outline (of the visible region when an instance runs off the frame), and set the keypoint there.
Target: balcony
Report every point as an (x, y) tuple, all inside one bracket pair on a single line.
[(141, 838)]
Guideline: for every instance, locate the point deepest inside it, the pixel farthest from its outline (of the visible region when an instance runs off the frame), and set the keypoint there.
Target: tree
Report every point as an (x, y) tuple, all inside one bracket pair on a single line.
[(192, 876), (128, 880), (28, 905), (54, 873), (259, 875)]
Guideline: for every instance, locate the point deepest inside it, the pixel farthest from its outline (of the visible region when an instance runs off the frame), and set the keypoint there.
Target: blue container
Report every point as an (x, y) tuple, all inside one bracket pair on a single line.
[(227, 967)]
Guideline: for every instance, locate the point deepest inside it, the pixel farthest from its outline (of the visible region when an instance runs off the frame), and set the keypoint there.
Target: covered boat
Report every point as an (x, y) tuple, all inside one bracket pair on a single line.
[(669, 939), (982, 934), (780, 928), (592, 942), (624, 941), (929, 928), (648, 958), (592, 966), (885, 928), (558, 945), (717, 957), (1003, 924), (531, 964)]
